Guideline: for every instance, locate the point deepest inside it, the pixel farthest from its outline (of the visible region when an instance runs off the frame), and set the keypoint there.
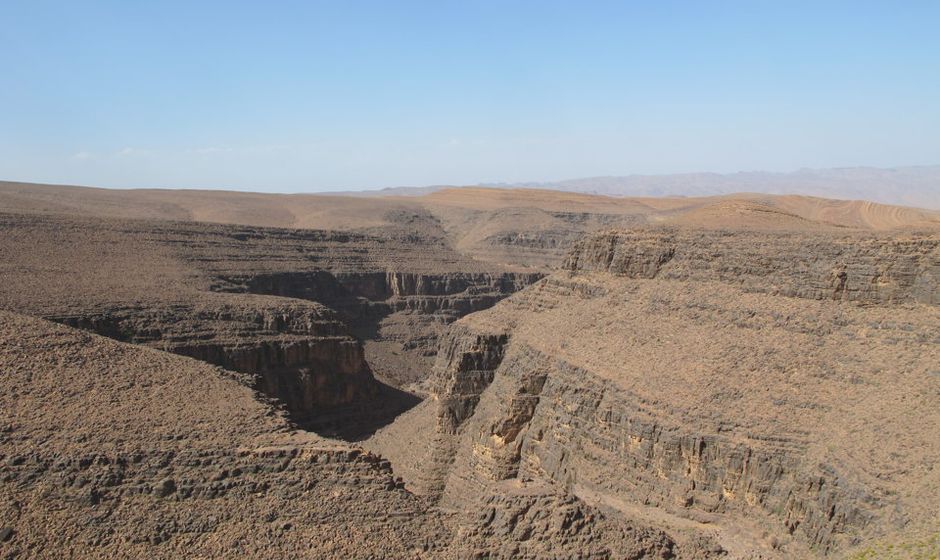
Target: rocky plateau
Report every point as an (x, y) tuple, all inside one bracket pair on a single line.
[(470, 373)]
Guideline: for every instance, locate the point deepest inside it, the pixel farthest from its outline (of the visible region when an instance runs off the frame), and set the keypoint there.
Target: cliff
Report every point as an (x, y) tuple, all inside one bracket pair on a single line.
[(144, 453), (849, 267), (702, 378)]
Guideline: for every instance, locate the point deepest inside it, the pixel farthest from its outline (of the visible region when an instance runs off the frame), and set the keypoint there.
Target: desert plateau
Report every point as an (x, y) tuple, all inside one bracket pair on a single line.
[(470, 373), (488, 280)]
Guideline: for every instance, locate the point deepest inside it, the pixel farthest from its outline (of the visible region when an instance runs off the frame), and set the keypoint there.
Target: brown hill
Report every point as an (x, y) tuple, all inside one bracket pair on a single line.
[(324, 211), (112, 450), (552, 374), (529, 227), (777, 390)]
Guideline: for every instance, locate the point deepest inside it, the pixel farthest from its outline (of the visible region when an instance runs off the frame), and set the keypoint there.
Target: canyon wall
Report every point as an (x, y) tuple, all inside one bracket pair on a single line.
[(338, 327), (851, 267), (147, 454), (297, 353), (741, 404)]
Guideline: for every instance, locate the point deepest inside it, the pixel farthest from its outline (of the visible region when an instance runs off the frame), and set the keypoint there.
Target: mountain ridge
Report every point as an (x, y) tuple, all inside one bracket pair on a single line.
[(917, 186)]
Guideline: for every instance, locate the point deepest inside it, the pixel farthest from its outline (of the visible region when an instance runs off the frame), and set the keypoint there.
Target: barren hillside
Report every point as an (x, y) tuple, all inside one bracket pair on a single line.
[(530, 227), (469, 373)]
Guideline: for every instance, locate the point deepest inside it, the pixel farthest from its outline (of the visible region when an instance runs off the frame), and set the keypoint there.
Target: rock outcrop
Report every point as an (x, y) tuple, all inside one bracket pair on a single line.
[(872, 269), (669, 393), (534, 523), (149, 454), (683, 376), (298, 353), (333, 325)]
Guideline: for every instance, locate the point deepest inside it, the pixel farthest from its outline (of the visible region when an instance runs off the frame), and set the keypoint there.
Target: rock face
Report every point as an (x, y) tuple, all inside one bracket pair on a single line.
[(669, 393), (410, 310), (150, 454), (685, 376), (454, 294), (301, 355), (466, 365), (845, 268), (333, 325)]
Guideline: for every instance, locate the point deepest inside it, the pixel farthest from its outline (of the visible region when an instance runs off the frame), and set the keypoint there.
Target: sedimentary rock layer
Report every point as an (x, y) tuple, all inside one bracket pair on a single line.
[(681, 375), (289, 306), (850, 267), (115, 450)]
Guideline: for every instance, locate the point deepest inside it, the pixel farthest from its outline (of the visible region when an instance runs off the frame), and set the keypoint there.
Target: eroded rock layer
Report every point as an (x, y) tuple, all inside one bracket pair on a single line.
[(112, 450), (848, 268), (764, 391), (119, 451), (335, 326), (682, 377)]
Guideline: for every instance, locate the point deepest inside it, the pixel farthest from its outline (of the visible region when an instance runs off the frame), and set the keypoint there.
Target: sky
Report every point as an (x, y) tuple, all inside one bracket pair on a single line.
[(310, 96)]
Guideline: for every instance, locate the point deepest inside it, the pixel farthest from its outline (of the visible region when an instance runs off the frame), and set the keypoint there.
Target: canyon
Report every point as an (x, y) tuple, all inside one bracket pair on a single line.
[(469, 373)]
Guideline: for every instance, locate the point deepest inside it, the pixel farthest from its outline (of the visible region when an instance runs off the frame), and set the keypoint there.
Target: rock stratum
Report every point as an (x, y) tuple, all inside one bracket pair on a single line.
[(473, 373), (774, 391)]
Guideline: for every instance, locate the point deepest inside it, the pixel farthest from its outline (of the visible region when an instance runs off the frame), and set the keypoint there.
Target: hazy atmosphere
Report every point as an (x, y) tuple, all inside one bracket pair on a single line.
[(311, 96)]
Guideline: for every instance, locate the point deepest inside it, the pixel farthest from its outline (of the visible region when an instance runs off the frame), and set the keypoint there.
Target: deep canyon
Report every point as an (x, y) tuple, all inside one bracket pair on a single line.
[(473, 373)]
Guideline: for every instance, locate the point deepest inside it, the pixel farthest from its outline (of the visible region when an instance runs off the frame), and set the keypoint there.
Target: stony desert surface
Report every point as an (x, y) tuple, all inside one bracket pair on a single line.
[(466, 373)]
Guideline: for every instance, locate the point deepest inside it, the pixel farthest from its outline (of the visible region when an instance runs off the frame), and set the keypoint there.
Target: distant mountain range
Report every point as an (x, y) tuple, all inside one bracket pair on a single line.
[(908, 186)]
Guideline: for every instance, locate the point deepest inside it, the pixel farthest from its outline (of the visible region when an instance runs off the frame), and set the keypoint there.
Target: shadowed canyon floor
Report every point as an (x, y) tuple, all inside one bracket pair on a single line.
[(472, 373)]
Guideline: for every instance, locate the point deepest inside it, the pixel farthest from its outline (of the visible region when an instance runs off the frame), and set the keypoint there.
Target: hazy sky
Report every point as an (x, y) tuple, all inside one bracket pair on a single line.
[(294, 96)]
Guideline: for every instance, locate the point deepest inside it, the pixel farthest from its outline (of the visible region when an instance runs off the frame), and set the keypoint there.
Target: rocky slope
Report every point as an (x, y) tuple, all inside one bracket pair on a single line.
[(119, 451), (315, 315), (114, 450), (772, 390), (761, 390), (532, 227), (866, 269)]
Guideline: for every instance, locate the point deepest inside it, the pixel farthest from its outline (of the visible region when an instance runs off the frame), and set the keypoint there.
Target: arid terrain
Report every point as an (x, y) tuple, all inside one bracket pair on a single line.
[(466, 373)]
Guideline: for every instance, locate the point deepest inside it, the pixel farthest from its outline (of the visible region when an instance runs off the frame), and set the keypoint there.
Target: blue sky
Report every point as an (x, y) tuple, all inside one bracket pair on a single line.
[(304, 96)]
